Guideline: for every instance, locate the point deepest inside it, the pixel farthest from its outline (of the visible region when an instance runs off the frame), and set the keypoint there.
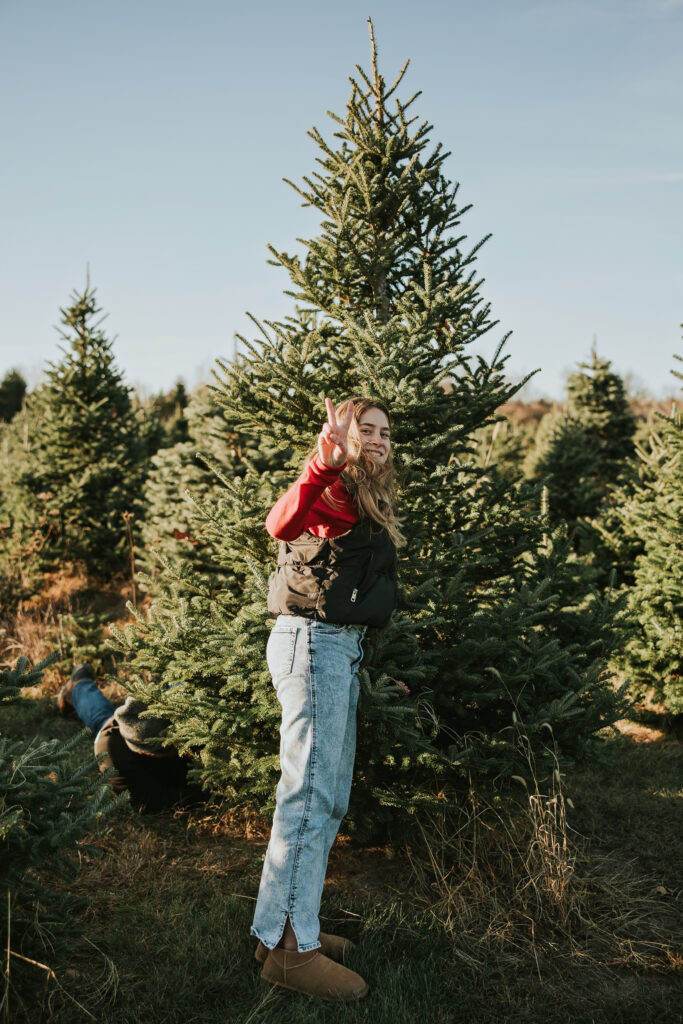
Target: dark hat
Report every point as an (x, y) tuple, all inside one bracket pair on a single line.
[(142, 735)]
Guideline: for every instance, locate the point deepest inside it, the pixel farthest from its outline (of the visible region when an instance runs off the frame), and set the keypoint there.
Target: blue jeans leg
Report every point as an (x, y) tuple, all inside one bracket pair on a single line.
[(345, 771), (314, 666), (90, 704)]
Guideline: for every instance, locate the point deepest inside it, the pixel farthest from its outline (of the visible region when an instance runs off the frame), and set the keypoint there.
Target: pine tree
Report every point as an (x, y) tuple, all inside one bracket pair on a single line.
[(47, 806), (501, 449), (566, 459), (582, 452), (12, 391), (494, 642), (167, 414), (183, 481), (649, 513), (74, 459), (597, 399)]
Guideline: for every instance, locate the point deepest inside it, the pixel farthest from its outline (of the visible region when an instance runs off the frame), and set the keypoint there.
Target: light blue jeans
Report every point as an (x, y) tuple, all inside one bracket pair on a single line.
[(315, 668)]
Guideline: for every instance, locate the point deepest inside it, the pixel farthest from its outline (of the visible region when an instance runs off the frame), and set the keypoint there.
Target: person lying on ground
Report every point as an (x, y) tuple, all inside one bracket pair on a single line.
[(155, 776)]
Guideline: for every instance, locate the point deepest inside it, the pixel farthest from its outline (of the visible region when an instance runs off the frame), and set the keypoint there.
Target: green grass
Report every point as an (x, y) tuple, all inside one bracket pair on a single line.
[(637, 810), (165, 937)]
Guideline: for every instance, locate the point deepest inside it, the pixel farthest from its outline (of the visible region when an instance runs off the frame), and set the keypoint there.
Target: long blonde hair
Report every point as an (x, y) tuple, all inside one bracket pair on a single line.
[(372, 485)]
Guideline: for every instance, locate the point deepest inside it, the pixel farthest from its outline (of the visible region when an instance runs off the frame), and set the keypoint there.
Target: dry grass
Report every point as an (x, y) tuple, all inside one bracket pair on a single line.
[(521, 885), (68, 613), (512, 916), (641, 733)]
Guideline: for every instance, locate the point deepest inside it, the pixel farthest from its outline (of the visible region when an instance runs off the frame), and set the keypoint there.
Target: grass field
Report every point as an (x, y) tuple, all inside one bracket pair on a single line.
[(499, 923)]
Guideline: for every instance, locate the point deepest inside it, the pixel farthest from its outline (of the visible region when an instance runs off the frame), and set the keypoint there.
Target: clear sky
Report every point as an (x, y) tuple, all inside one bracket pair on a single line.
[(148, 139)]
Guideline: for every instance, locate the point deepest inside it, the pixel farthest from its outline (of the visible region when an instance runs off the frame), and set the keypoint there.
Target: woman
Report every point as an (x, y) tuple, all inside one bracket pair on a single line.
[(336, 575)]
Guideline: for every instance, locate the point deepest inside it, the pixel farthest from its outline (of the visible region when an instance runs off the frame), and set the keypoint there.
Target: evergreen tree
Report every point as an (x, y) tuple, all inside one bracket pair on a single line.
[(167, 414), (582, 454), (494, 640), (74, 459), (47, 806), (22, 534), (183, 481), (650, 514), (17, 439), (566, 459), (174, 472), (597, 399), (12, 391), (501, 449)]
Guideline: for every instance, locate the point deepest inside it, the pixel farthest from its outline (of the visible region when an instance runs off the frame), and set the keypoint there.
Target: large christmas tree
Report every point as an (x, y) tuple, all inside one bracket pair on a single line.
[(73, 459), (494, 647)]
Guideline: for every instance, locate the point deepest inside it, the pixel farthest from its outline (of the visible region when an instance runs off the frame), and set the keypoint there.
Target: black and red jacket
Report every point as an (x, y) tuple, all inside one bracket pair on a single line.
[(333, 565)]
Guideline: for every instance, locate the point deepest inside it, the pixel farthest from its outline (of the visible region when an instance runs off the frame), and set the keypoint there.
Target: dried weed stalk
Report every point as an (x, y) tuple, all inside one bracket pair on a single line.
[(515, 882)]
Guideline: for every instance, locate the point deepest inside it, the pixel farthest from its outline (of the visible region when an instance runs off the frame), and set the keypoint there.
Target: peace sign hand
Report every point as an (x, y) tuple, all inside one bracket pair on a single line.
[(332, 438)]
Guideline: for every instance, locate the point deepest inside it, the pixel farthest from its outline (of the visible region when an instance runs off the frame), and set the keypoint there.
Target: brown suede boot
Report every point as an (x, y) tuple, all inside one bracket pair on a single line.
[(313, 974), (333, 946)]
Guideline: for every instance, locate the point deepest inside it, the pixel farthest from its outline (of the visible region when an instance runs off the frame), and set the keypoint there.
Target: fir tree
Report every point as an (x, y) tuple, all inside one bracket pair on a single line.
[(566, 459), (582, 452), (46, 808), (21, 533), (167, 413), (74, 459), (597, 399), (501, 449), (183, 481), (650, 514), (494, 642), (12, 391), (17, 442), (175, 474)]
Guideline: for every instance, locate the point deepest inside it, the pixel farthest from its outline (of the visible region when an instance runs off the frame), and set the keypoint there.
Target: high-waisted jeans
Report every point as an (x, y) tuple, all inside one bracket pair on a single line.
[(315, 669)]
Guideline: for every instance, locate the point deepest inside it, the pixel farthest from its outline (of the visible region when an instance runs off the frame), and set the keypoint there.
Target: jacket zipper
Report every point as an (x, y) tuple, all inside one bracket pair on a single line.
[(366, 576)]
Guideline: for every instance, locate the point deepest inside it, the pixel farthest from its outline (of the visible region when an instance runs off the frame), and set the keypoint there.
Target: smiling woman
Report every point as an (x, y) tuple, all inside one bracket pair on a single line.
[(336, 575), (369, 474), (375, 433)]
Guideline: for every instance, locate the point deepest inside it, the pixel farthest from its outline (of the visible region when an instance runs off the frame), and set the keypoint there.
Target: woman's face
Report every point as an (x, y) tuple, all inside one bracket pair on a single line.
[(375, 434)]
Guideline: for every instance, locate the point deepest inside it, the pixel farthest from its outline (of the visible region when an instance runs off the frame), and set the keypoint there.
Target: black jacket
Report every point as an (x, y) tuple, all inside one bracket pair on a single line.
[(347, 580)]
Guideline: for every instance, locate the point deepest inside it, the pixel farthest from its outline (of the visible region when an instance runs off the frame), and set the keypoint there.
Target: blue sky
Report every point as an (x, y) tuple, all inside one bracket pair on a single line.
[(148, 139)]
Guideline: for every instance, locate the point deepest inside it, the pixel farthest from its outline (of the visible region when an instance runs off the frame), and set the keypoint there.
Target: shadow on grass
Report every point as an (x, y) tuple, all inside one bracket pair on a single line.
[(629, 802)]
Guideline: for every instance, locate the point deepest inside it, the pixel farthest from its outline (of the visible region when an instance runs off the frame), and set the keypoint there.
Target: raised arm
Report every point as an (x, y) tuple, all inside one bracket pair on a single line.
[(289, 516)]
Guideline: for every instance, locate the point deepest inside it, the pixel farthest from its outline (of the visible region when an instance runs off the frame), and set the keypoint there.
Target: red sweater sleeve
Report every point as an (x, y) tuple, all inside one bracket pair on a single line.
[(302, 507)]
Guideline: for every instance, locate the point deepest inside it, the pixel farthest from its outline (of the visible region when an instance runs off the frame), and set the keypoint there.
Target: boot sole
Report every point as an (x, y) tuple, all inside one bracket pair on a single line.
[(313, 995)]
